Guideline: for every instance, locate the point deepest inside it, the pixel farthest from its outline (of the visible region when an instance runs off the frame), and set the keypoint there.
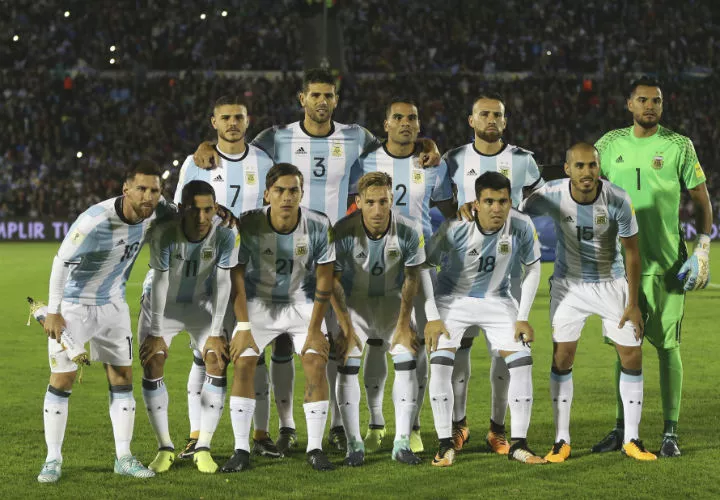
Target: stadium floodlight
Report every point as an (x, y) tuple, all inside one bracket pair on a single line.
[(203, 16), (67, 13), (112, 48), (175, 163), (549, 52), (16, 38), (224, 13), (79, 154), (112, 60), (165, 175)]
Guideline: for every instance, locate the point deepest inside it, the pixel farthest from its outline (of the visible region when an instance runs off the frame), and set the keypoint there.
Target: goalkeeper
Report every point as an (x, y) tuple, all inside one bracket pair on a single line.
[(653, 163)]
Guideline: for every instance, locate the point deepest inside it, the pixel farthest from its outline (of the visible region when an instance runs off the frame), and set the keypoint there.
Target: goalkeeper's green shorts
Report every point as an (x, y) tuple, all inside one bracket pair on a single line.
[(662, 302)]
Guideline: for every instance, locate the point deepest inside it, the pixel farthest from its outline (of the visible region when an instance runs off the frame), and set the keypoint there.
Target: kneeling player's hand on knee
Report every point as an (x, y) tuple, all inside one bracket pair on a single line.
[(151, 346), (433, 331), (524, 333), (344, 344), (219, 346), (406, 337), (316, 341), (241, 341), (54, 325), (633, 315), (465, 212)]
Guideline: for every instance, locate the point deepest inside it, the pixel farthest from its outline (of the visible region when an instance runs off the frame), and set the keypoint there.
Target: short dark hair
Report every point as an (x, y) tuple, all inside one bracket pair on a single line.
[(144, 167), (492, 96), (396, 100), (280, 169), (580, 145), (643, 81), (229, 100), (317, 75), (379, 179), (195, 188), (491, 180)]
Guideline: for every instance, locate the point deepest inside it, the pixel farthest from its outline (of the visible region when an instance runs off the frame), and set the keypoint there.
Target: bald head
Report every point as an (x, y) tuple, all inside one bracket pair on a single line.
[(580, 148)]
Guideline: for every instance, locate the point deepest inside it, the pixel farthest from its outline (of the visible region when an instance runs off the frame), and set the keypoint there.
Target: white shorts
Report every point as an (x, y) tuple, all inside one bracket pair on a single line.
[(107, 328), (571, 302), (376, 318), (272, 320), (496, 316), (515, 287), (196, 319)]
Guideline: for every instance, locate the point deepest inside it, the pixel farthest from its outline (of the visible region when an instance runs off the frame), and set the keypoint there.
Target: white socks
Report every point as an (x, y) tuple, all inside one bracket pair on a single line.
[(404, 394), (156, 400), (499, 383), (348, 398), (261, 419), (375, 372), (631, 392), (55, 415), (282, 374), (196, 379), (316, 417), (212, 403), (241, 414), (520, 393), (122, 416), (441, 391), (460, 379), (561, 392)]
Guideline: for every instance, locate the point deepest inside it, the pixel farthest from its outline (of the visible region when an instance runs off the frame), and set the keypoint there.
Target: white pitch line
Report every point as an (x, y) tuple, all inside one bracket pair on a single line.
[(713, 285)]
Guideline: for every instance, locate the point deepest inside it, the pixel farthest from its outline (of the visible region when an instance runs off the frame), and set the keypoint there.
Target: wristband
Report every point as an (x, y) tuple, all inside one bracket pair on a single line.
[(242, 325), (703, 244)]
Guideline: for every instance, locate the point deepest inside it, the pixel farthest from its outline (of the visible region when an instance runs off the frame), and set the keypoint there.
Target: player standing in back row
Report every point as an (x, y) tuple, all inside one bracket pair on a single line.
[(653, 164)]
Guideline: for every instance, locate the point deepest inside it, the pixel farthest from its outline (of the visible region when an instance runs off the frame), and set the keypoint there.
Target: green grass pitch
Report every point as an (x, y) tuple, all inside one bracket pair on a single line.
[(88, 451)]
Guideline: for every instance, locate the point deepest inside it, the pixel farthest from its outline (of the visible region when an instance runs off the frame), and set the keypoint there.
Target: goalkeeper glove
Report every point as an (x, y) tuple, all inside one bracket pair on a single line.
[(697, 268)]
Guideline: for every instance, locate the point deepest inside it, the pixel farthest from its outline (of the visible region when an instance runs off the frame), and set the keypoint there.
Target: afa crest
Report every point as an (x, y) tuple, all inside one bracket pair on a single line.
[(337, 150), (504, 171), (250, 178), (657, 162), (601, 219), (207, 254), (504, 247), (418, 176), (301, 249), (393, 253)]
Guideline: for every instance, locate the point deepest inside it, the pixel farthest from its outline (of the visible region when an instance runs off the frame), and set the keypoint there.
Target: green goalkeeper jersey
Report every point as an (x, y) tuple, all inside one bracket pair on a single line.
[(653, 170)]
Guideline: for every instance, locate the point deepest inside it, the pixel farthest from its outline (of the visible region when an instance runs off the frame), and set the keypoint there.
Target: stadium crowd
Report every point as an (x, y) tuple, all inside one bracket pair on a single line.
[(55, 107)]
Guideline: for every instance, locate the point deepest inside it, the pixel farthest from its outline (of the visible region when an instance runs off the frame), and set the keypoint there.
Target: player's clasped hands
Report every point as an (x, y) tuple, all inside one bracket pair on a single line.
[(151, 346), (433, 331), (318, 342), (524, 333), (242, 340), (633, 315), (219, 346), (54, 326)]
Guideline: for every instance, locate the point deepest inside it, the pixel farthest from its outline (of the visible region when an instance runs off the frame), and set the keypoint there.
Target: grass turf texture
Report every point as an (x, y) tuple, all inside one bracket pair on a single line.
[(88, 450)]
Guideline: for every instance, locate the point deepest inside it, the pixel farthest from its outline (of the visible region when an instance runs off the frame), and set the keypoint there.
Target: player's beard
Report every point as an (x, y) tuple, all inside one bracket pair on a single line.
[(647, 122), (317, 118), (492, 136), (231, 140), (141, 210)]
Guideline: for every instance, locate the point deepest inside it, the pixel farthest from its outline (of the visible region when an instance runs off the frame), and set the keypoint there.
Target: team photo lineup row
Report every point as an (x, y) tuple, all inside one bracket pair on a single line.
[(330, 286)]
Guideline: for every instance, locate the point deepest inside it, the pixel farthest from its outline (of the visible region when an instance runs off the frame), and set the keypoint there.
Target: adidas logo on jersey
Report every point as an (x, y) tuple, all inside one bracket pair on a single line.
[(473, 253), (361, 255), (218, 179), (619, 159), (120, 243), (268, 252), (471, 172), (569, 219), (300, 151)]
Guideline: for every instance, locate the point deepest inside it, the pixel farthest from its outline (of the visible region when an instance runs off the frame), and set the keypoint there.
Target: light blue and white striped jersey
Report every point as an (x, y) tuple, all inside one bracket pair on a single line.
[(100, 249), (465, 164), (280, 268), (191, 265), (239, 180), (479, 264), (325, 162), (587, 248), (375, 268), (413, 186)]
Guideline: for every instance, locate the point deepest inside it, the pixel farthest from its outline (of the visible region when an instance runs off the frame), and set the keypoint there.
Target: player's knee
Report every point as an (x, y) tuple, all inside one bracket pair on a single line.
[(283, 346), (63, 381), (244, 368), (631, 357), (154, 367), (212, 364), (119, 375)]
